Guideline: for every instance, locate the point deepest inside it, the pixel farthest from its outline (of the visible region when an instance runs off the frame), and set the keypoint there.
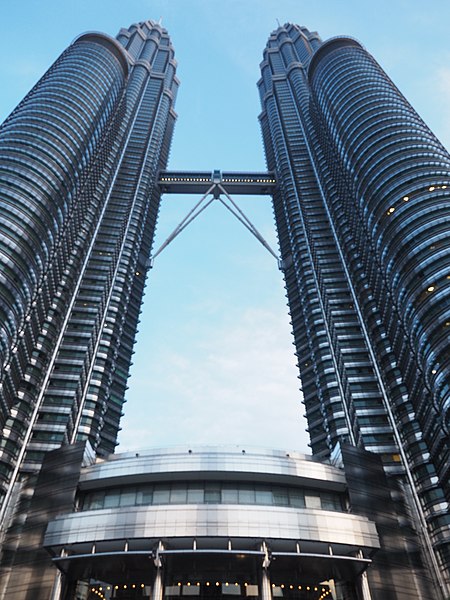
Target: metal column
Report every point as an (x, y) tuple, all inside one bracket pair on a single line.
[(266, 590), (157, 590)]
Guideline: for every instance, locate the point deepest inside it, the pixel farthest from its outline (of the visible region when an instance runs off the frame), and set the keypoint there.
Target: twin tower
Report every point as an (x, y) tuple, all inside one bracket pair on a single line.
[(361, 195)]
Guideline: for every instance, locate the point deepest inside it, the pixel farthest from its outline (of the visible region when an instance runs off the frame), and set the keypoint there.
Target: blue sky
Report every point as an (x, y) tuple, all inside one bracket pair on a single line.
[(214, 360)]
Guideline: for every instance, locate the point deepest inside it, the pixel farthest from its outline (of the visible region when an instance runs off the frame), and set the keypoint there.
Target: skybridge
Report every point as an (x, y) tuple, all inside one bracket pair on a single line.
[(200, 182), (216, 186)]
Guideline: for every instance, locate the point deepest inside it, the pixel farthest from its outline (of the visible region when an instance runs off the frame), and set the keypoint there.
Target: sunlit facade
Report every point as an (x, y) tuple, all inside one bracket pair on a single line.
[(363, 212)]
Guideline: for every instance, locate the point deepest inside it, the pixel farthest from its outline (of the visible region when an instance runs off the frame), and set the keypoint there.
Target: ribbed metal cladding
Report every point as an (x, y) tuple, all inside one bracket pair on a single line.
[(43, 164), (49, 146), (342, 392), (398, 173), (362, 214), (100, 122)]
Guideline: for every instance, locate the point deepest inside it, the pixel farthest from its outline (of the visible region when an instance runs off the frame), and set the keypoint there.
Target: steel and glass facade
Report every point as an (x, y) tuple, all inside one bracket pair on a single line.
[(79, 159), (206, 522), (362, 210), (361, 192), (211, 522)]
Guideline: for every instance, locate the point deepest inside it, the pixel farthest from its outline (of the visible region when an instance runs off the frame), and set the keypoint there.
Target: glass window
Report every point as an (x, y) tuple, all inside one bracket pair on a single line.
[(277, 592), (229, 496), (330, 502), (199, 492), (230, 589), (178, 494), (212, 496), (246, 496), (297, 498), (212, 493), (128, 498), (112, 499), (172, 590), (161, 496), (251, 590), (280, 497), (312, 500), (96, 500), (144, 496), (264, 496), (191, 590), (195, 495)]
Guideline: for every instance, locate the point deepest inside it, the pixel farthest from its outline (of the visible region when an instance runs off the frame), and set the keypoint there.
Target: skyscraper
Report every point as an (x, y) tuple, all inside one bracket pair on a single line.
[(361, 205), (362, 210), (79, 161)]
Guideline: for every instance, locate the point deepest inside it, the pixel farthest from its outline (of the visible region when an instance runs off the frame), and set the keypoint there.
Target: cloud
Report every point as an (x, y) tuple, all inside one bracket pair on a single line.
[(238, 388)]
